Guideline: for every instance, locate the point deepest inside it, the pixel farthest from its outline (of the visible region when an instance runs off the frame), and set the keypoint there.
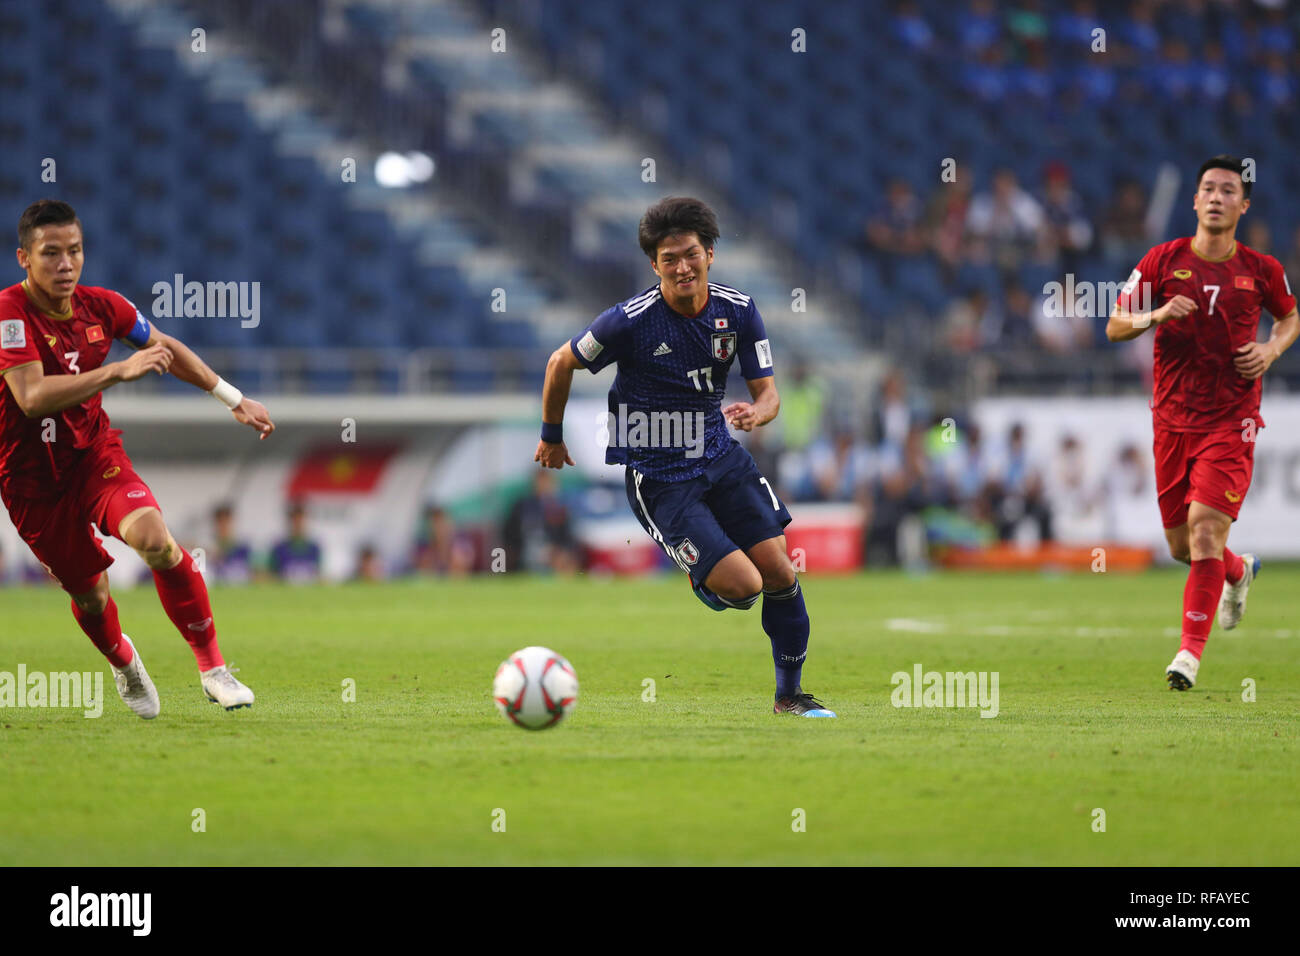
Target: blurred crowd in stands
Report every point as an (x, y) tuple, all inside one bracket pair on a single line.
[(536, 535), (931, 476), (991, 245), (1219, 52), (977, 247)]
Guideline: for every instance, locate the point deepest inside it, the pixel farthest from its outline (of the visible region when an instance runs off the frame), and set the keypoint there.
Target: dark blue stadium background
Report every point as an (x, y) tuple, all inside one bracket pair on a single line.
[(169, 177)]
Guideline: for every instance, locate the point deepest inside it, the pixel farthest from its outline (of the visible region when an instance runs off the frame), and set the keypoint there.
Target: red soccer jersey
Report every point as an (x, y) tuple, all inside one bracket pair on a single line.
[(31, 464), (1197, 388)]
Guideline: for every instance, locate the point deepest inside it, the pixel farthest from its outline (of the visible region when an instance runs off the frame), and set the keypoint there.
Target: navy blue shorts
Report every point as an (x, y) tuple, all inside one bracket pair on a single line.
[(701, 520)]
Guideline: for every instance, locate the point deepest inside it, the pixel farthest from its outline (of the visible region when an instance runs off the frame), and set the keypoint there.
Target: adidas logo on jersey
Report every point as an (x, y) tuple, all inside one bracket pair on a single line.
[(662, 350)]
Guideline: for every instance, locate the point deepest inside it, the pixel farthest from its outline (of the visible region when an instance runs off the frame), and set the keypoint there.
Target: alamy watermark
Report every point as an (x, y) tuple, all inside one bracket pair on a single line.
[(1073, 299), (654, 429), (83, 690), (923, 688), (208, 300), (128, 910)]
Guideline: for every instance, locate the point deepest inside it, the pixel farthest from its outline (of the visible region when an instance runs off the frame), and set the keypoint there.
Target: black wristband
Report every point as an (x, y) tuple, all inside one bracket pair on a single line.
[(554, 434)]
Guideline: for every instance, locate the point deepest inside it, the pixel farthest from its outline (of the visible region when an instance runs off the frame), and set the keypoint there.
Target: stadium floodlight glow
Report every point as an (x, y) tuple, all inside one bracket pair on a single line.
[(397, 170), (393, 170), (420, 166)]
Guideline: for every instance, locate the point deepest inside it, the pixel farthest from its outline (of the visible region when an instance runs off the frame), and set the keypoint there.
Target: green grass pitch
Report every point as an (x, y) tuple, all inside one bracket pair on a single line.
[(417, 768)]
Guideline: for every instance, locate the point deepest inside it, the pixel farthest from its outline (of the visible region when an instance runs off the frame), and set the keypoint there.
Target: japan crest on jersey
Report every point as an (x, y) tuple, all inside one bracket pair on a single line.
[(724, 345), (688, 552)]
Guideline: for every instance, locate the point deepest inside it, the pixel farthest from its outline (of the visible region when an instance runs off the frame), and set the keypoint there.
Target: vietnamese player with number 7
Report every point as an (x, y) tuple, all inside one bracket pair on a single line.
[(1208, 290), (702, 500)]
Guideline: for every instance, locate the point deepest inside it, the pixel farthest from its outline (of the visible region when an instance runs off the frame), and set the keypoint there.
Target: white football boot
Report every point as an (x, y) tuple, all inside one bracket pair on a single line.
[(135, 687), (1232, 605), (1181, 674), (221, 687)]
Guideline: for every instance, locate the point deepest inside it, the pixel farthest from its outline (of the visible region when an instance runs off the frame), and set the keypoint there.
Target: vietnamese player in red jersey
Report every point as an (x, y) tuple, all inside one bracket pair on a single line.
[(63, 468), (1204, 296)]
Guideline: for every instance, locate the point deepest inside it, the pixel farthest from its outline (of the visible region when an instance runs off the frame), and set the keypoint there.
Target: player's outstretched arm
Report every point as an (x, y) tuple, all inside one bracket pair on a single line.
[(1124, 325), (38, 394), (555, 395), (747, 416), (188, 367)]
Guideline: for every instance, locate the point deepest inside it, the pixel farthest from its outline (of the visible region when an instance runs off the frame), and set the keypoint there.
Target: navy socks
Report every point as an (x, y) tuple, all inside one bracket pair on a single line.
[(785, 619)]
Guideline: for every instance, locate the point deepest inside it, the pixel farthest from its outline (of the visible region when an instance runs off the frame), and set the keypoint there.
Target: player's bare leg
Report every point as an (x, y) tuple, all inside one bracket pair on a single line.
[(96, 613), (736, 580), (785, 620), (1202, 543), (773, 564), (96, 601), (1180, 548), (184, 597)]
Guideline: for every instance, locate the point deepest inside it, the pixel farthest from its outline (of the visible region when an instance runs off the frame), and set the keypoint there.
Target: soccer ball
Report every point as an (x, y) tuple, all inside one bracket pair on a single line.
[(535, 688)]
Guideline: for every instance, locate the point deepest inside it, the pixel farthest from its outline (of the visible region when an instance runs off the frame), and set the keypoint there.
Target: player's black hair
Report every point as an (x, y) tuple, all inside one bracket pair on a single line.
[(1230, 163), (674, 216), (44, 212)]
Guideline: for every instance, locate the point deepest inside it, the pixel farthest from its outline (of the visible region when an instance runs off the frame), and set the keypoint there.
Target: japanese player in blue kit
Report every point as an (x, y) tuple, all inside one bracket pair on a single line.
[(693, 487)]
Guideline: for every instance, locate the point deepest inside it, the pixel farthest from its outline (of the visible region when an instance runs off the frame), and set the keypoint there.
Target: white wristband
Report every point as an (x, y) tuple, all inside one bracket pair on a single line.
[(226, 393)]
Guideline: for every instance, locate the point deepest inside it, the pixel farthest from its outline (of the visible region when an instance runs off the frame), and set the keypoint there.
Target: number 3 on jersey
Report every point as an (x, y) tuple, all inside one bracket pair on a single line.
[(72, 361)]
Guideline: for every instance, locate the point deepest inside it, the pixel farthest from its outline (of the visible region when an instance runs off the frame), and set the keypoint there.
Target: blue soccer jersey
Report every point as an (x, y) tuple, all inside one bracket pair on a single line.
[(665, 406)]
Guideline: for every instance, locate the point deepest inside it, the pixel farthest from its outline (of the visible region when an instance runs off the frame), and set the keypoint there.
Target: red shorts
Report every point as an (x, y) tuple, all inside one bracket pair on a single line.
[(101, 490), (1213, 468)]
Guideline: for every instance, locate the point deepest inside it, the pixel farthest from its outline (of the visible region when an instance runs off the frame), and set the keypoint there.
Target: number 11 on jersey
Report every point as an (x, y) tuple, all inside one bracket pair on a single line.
[(694, 376)]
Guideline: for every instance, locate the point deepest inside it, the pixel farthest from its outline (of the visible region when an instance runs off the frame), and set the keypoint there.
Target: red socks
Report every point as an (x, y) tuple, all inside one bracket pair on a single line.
[(105, 633), (1233, 566), (1200, 599), (184, 596)]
